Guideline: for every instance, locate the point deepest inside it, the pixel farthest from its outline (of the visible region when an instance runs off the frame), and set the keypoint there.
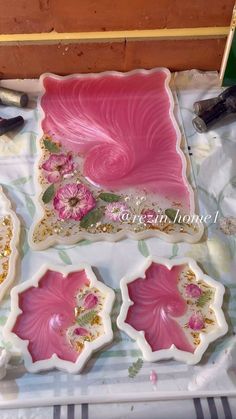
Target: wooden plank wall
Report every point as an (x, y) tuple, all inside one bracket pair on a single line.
[(27, 58)]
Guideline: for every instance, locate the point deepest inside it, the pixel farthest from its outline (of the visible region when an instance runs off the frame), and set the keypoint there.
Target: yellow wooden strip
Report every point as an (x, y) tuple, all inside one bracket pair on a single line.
[(228, 44), (54, 37)]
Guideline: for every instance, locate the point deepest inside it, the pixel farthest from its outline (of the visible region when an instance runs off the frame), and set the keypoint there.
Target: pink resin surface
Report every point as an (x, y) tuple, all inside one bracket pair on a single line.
[(121, 125), (47, 311), (158, 304)]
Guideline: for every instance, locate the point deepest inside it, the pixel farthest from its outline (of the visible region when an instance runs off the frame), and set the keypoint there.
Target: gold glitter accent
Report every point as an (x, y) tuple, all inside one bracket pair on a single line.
[(79, 346), (2, 277), (153, 227), (205, 286), (108, 228), (190, 273), (6, 221), (168, 228), (78, 311), (7, 251), (96, 320), (196, 339), (5, 265), (209, 321)]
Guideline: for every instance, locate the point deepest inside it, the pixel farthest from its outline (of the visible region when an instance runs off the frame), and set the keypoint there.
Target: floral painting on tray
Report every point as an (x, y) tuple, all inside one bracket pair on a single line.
[(110, 163)]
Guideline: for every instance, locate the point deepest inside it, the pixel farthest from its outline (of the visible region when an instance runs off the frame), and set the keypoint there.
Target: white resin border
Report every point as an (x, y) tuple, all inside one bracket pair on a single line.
[(56, 239), (173, 352), (89, 347), (7, 210)]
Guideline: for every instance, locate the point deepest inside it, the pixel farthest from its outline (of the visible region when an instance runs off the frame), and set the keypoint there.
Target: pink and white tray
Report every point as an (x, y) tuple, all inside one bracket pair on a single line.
[(110, 164), (9, 238), (172, 309), (59, 318)]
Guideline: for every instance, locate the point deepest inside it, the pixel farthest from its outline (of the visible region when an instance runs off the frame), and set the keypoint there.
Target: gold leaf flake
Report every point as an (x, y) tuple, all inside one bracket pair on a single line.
[(96, 320), (79, 346)]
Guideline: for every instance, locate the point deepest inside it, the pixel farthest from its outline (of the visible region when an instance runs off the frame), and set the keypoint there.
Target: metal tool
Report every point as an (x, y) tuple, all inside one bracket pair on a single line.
[(10, 97), (220, 106), (10, 124)]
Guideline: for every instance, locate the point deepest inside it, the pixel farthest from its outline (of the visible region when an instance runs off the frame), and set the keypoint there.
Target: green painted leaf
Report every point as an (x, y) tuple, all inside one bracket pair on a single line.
[(204, 299), (135, 368), (232, 245), (64, 257), (175, 249), (6, 344), (142, 247), (91, 218), (48, 194), (21, 180), (84, 243), (30, 205), (109, 197), (50, 146), (171, 214), (86, 318), (3, 320), (24, 242), (33, 145)]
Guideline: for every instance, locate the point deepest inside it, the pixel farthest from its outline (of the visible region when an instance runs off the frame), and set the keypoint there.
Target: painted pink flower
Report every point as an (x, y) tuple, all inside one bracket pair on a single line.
[(149, 215), (58, 165), (73, 201), (114, 210), (193, 291), (81, 331), (90, 301), (196, 321)]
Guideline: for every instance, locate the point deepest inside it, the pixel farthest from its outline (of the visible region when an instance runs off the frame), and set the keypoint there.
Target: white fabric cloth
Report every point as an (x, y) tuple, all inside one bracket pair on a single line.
[(106, 375)]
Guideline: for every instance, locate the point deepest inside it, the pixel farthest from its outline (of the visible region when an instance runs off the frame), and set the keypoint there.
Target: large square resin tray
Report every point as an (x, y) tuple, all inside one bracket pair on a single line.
[(110, 162)]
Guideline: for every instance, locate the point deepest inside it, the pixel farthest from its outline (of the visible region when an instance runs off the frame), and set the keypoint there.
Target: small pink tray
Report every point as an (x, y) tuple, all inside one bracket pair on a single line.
[(172, 310), (110, 162), (59, 318)]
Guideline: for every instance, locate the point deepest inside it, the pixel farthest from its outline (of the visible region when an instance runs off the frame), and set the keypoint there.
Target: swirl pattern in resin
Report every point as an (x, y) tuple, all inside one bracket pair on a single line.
[(110, 145), (172, 310), (122, 127), (60, 316)]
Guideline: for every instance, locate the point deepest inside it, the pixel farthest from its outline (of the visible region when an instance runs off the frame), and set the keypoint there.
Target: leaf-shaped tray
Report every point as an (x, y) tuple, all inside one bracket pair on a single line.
[(172, 310), (59, 318), (9, 238), (110, 164)]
